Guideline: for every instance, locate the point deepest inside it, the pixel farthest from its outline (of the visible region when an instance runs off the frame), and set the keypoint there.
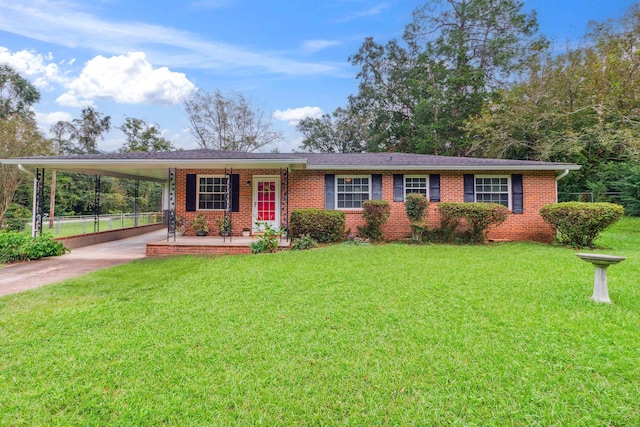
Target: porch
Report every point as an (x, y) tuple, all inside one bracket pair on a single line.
[(208, 245)]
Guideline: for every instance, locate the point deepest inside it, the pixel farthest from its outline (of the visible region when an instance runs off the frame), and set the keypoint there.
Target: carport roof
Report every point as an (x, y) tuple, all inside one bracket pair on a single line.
[(154, 166)]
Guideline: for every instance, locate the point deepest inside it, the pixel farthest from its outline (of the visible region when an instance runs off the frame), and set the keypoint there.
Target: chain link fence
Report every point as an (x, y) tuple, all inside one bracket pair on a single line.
[(586, 196)]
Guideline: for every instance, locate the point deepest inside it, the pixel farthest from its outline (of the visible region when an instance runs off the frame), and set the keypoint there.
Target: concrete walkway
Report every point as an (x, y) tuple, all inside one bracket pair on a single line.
[(33, 274)]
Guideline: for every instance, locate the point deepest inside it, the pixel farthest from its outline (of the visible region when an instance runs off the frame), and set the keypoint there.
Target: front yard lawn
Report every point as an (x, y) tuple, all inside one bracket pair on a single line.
[(342, 335)]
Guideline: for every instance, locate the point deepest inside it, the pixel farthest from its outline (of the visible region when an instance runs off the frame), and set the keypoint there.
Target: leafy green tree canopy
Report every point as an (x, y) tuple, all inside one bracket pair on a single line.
[(336, 133), (17, 94), (415, 94), (80, 136), (19, 137), (143, 136)]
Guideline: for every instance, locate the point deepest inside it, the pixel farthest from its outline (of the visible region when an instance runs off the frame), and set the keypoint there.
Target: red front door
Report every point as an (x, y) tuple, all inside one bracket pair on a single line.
[(266, 202)]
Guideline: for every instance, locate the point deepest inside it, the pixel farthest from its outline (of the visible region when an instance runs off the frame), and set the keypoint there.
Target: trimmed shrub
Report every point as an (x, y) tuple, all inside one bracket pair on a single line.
[(321, 225), (303, 242), (578, 224), (375, 214), (416, 206), (478, 216), (20, 247)]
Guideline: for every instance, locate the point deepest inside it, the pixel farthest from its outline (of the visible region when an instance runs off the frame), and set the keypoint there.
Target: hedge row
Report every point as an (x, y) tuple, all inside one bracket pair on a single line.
[(478, 216), (321, 225)]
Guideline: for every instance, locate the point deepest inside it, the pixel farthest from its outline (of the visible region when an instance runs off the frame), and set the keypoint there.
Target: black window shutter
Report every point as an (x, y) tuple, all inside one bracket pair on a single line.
[(235, 192), (398, 187), (469, 188), (434, 188), (191, 193), (330, 191), (517, 205), (376, 186)]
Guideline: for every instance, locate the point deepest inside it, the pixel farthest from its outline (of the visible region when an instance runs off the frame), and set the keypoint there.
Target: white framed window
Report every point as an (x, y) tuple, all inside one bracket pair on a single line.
[(493, 189), (351, 191), (416, 184), (212, 192)]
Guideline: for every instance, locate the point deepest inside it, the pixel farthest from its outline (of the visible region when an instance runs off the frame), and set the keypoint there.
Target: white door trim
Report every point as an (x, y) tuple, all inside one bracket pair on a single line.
[(254, 212)]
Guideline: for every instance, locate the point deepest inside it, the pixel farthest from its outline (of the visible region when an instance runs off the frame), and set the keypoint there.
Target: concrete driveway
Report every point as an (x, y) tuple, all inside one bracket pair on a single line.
[(33, 274)]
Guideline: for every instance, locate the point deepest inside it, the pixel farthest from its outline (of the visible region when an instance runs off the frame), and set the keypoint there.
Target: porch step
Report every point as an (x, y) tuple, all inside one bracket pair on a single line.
[(204, 246)]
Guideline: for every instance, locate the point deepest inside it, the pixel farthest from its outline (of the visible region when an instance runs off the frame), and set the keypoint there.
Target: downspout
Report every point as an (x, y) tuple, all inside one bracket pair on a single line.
[(558, 178), (34, 229)]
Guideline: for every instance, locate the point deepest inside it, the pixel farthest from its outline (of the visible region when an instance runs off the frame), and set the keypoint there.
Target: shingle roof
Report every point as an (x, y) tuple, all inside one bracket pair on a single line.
[(155, 165), (405, 159), (317, 160), (198, 154)]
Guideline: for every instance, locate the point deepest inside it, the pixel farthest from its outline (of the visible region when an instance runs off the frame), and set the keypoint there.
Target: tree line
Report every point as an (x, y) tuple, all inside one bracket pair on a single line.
[(476, 78)]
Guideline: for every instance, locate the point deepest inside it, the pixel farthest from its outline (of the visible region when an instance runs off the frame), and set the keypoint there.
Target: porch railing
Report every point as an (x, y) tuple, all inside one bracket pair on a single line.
[(84, 224)]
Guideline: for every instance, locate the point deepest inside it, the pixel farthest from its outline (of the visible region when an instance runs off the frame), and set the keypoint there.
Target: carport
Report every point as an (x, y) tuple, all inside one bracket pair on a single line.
[(118, 165)]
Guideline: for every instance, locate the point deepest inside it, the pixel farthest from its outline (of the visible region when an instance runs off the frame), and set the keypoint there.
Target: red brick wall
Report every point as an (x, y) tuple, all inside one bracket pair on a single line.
[(306, 190), (241, 219), (164, 249)]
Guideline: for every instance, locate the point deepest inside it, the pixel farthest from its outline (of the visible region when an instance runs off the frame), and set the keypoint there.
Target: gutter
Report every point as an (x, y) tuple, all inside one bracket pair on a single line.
[(34, 229), (566, 168)]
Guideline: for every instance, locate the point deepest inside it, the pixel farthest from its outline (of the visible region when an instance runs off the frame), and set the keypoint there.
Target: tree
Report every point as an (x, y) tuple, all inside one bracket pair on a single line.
[(582, 106), (453, 59), (143, 136), (228, 123), (81, 135), (333, 135), (17, 94), (19, 137), (491, 36)]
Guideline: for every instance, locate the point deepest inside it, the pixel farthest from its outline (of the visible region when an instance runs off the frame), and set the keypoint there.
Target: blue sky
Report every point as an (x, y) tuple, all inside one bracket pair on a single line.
[(130, 58)]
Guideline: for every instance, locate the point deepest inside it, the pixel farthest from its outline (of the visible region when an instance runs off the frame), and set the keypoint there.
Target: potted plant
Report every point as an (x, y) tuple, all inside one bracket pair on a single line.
[(224, 225), (179, 225), (201, 225), (246, 232)]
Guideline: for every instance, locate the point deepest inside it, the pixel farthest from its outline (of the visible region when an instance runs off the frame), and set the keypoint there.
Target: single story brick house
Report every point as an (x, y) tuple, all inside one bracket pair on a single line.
[(267, 187)]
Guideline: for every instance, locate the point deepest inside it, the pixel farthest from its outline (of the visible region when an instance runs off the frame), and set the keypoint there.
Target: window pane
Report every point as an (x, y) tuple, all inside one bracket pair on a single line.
[(351, 191), (416, 184), (492, 190), (212, 193)]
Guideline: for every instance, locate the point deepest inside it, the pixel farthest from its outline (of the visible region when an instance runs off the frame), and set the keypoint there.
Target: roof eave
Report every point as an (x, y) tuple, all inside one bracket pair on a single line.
[(150, 162), (556, 167)]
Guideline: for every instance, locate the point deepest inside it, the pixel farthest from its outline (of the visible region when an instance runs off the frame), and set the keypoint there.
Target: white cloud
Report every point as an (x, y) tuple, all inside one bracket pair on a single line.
[(66, 23), (46, 120), (70, 100), (372, 11), (312, 46), (294, 115), (127, 79), (36, 67)]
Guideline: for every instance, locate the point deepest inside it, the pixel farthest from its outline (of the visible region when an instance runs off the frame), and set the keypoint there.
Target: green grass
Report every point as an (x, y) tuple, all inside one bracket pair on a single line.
[(70, 227), (341, 335)]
